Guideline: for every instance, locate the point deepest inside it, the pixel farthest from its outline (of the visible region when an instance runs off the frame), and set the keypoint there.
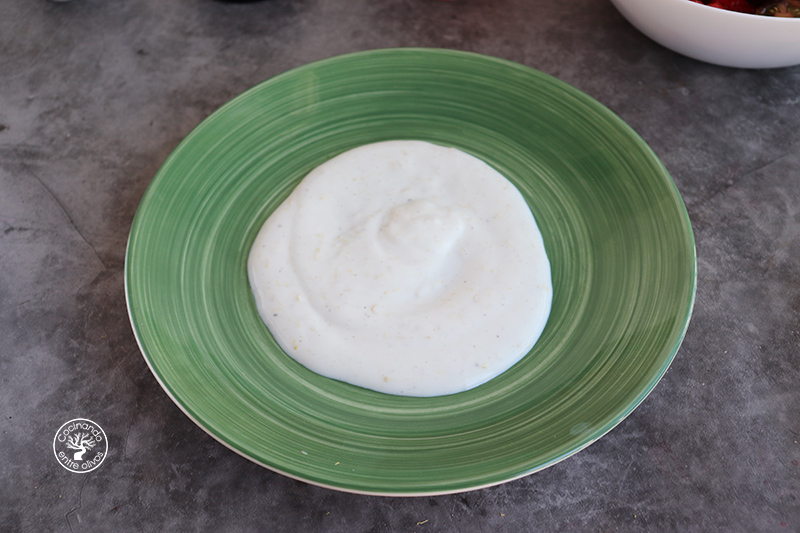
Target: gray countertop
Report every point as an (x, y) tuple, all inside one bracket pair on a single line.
[(93, 97)]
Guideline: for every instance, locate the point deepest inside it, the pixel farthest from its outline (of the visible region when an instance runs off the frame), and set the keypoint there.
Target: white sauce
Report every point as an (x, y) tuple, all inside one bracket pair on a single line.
[(403, 267)]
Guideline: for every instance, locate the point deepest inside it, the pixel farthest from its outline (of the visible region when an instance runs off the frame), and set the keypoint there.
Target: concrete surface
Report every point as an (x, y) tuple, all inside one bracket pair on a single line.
[(93, 97)]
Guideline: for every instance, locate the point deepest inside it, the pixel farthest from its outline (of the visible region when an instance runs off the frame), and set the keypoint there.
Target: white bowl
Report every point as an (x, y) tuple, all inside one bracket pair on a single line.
[(715, 35)]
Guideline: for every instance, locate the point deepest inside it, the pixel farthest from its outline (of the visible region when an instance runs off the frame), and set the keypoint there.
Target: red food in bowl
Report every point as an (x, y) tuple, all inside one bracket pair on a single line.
[(781, 8), (742, 6)]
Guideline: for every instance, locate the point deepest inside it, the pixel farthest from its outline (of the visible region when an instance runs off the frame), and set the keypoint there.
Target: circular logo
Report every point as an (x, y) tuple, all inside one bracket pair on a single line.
[(80, 445)]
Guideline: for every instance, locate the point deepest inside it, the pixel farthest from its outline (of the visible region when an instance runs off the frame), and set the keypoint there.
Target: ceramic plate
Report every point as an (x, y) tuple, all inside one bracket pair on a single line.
[(615, 229)]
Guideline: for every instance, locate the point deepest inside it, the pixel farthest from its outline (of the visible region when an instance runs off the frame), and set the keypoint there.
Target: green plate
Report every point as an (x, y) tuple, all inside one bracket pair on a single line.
[(614, 226)]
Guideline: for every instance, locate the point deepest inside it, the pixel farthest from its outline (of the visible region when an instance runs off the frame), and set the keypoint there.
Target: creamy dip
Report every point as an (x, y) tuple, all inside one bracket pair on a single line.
[(403, 267)]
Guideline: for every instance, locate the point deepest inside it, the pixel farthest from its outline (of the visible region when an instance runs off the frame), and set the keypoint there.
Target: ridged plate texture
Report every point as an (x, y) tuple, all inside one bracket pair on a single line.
[(615, 229)]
